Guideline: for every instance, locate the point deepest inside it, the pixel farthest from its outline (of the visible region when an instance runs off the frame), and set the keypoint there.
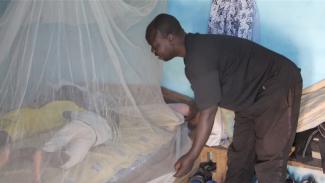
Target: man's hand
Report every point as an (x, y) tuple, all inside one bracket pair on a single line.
[(202, 132), (192, 124), (184, 165), (193, 110)]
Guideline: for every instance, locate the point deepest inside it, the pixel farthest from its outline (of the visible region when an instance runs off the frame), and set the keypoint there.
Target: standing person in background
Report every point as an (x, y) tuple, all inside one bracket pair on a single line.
[(261, 86)]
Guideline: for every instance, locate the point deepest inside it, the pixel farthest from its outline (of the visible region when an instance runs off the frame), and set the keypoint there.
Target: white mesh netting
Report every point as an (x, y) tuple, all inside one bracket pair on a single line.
[(80, 98)]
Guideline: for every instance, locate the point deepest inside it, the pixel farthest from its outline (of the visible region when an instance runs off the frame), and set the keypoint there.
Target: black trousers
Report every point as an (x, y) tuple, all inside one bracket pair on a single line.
[(264, 133)]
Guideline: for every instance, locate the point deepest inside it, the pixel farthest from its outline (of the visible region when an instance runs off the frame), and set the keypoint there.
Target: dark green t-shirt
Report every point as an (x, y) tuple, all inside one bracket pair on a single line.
[(228, 71)]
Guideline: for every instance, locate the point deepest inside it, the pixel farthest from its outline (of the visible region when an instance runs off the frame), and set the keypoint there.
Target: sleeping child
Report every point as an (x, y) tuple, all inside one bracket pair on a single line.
[(26, 122), (84, 130), (69, 145)]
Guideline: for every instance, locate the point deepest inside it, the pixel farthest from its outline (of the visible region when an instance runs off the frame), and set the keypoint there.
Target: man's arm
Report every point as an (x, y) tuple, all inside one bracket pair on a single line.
[(203, 130)]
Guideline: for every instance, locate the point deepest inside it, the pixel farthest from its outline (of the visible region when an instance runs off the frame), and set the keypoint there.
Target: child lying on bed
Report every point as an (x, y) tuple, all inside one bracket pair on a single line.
[(66, 148), (26, 122), (72, 142)]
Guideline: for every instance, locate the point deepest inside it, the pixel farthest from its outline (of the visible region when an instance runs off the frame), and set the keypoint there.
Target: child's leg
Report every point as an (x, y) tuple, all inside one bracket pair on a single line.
[(37, 159), (61, 138), (5, 148), (4, 156), (43, 159), (79, 145), (80, 140)]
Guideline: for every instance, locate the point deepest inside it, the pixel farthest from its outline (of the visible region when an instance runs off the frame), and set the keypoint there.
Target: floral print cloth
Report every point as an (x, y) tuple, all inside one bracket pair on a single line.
[(232, 17)]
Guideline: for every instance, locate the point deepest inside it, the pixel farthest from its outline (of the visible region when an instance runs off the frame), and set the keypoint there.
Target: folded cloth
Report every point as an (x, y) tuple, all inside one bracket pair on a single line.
[(312, 107)]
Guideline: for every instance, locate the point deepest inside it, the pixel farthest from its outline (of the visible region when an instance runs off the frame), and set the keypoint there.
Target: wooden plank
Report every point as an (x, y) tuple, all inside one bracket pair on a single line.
[(304, 165)]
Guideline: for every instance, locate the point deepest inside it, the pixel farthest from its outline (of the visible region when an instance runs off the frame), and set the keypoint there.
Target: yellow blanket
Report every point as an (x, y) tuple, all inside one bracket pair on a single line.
[(29, 121)]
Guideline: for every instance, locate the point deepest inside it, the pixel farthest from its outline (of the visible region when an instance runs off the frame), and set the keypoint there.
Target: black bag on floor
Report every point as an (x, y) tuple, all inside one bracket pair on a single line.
[(306, 142)]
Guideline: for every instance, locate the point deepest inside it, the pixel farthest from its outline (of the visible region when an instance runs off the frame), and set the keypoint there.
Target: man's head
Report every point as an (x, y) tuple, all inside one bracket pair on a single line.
[(165, 34)]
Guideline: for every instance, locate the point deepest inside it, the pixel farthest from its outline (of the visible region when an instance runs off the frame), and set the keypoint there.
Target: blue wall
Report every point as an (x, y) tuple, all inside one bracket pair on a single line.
[(294, 28)]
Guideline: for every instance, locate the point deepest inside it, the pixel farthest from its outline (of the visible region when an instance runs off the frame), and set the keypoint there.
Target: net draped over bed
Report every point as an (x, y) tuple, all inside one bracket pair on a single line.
[(82, 56)]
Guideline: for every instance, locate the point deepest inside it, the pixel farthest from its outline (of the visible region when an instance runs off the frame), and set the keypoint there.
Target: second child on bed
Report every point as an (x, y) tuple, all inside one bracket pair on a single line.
[(84, 130)]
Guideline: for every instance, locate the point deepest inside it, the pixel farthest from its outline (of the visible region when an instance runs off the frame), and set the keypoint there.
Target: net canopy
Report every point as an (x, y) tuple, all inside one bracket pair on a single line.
[(80, 97)]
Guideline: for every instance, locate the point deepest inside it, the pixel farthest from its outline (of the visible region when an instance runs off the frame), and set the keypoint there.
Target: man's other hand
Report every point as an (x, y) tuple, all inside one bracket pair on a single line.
[(184, 165)]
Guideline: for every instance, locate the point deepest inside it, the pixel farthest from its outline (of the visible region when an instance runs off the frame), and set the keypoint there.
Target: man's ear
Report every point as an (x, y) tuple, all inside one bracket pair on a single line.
[(170, 37)]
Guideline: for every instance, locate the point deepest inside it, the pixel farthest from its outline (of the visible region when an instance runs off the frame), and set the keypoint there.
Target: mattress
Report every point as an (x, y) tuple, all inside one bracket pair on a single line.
[(140, 148)]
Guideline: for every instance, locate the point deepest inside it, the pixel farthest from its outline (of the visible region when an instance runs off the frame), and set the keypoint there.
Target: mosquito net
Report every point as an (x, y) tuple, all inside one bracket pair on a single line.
[(80, 98)]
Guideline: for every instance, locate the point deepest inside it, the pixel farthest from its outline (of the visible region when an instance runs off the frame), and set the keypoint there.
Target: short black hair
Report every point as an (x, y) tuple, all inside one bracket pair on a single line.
[(4, 139), (70, 92), (165, 24)]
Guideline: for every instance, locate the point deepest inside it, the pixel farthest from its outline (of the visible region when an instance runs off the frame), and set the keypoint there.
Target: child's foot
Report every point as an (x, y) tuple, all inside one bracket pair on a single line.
[(37, 159), (4, 156)]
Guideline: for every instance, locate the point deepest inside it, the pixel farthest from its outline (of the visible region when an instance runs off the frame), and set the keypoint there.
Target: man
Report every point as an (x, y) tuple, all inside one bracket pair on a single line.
[(261, 86)]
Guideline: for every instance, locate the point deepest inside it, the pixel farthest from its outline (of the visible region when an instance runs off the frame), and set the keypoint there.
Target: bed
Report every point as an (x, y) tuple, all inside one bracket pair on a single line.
[(148, 151)]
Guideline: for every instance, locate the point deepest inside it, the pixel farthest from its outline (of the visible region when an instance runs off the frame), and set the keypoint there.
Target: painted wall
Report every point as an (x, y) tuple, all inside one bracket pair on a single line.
[(297, 30), (294, 28)]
